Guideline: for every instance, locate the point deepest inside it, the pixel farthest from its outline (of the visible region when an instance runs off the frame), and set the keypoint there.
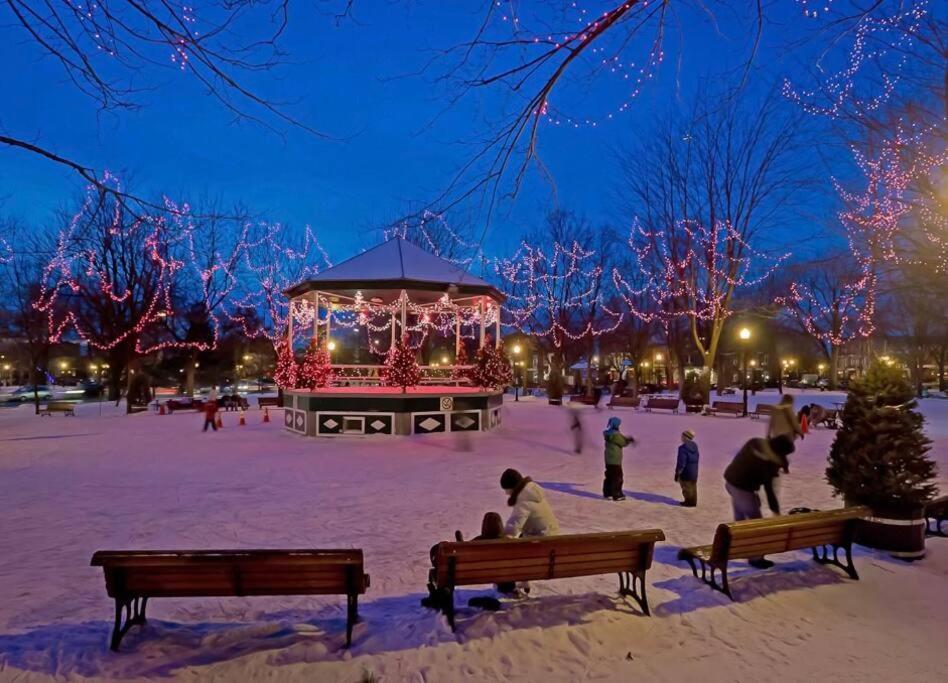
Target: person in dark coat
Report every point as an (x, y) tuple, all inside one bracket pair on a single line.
[(686, 469), (756, 465), (210, 411)]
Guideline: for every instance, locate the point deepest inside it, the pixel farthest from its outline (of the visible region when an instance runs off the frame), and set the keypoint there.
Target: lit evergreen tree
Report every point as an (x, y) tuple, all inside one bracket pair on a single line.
[(286, 368), (401, 366), (492, 368), (316, 370), (879, 455)]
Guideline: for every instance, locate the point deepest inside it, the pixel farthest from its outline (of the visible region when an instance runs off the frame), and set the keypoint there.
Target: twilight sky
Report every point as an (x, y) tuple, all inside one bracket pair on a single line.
[(357, 81)]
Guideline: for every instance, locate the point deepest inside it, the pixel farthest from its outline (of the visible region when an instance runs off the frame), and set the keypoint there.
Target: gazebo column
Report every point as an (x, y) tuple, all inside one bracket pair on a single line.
[(403, 298), (457, 334), (289, 327), (480, 314), (497, 328), (316, 319), (393, 328), (328, 319)]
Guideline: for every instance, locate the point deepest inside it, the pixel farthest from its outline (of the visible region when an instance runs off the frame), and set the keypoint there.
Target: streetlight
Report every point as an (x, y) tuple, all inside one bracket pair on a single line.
[(331, 346), (745, 335), (516, 349)]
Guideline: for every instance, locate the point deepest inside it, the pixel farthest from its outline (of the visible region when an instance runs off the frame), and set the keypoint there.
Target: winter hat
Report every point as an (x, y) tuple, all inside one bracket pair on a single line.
[(688, 434), (510, 479), (613, 424)]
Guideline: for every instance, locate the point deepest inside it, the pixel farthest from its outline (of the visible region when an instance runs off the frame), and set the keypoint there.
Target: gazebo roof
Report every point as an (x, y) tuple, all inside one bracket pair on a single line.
[(391, 267)]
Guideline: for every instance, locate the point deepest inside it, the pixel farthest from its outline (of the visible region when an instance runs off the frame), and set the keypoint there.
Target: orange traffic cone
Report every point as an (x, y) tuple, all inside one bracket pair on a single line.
[(242, 421), (804, 425), (220, 422), (161, 409), (266, 414)]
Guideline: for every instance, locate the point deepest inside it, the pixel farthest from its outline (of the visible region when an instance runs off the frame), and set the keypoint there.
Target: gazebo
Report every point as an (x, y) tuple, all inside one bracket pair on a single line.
[(392, 290)]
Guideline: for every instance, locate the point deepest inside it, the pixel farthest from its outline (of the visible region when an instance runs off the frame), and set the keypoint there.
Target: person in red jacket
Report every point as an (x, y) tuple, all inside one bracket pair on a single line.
[(210, 411)]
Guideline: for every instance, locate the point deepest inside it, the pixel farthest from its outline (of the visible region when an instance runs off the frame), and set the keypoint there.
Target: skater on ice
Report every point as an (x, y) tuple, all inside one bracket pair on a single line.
[(615, 441), (210, 411), (686, 469), (756, 465)]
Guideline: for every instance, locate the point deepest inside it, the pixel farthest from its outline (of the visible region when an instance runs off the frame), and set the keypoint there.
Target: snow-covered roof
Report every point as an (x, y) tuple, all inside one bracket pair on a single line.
[(395, 264)]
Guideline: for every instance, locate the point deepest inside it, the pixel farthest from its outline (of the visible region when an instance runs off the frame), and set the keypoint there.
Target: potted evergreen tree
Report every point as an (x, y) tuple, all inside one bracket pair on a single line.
[(879, 459)]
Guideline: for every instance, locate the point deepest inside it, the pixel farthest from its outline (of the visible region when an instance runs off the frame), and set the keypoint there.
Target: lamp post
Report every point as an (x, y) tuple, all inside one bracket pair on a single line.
[(516, 351), (745, 335)]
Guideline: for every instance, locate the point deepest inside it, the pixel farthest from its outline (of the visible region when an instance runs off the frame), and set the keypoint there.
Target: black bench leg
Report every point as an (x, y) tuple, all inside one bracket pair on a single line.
[(633, 585), (352, 615), (823, 557), (449, 609)]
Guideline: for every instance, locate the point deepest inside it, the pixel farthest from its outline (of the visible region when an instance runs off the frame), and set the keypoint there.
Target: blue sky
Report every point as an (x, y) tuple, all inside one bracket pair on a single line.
[(349, 81)]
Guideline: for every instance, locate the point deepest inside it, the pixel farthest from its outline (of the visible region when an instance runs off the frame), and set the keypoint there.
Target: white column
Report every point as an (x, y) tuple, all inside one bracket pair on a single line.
[(316, 319), (497, 328), (404, 300), (289, 327), (328, 320), (393, 327), (480, 313), (457, 334)]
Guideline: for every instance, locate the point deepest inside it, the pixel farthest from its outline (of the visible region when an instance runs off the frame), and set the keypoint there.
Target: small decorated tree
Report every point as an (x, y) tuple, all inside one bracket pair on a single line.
[(460, 372), (286, 371), (401, 367), (316, 370), (879, 456), (492, 368)]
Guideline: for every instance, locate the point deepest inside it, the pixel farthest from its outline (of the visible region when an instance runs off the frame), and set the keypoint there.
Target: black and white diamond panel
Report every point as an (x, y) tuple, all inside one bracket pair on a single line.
[(429, 423), (329, 424), (295, 420), (379, 424), (466, 421)]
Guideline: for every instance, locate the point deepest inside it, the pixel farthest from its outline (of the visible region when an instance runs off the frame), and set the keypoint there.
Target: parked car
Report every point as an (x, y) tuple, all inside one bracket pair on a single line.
[(25, 393)]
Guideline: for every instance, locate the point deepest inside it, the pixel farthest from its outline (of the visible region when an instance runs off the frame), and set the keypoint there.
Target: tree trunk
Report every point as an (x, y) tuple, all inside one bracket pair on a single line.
[(189, 374), (36, 400), (834, 368)]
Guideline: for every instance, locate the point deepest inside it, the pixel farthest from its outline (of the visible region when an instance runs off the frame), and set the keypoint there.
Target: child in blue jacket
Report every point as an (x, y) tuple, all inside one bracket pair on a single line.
[(686, 470)]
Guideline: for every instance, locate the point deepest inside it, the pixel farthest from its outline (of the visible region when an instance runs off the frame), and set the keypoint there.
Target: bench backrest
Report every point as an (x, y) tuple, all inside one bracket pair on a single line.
[(728, 405), (183, 573), (765, 408), (60, 405), (551, 557), (662, 403), (755, 537)]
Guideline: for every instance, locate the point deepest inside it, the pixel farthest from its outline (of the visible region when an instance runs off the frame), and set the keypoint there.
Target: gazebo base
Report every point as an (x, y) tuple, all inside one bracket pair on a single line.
[(345, 411)]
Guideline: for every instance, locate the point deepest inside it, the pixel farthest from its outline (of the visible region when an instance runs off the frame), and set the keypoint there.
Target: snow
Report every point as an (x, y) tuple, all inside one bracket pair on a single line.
[(70, 486), (398, 259)]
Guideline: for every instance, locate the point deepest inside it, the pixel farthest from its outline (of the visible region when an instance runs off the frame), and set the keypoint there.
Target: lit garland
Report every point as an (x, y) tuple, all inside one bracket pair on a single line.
[(691, 271), (552, 294)]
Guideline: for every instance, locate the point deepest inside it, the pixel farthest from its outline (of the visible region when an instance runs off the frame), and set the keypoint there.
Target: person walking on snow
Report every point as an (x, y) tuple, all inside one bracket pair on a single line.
[(756, 464), (686, 469), (576, 427), (784, 422), (615, 442), (210, 411), (531, 514)]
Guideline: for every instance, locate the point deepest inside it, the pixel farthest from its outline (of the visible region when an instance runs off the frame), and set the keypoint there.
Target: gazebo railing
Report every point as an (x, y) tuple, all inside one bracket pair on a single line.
[(348, 374)]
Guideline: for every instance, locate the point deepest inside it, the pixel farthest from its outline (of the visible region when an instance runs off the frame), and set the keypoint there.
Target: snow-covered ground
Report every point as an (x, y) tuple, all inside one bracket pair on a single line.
[(70, 486)]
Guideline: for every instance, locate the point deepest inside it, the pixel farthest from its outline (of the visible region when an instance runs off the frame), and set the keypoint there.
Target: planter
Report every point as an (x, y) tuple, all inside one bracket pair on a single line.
[(899, 530), (694, 407)]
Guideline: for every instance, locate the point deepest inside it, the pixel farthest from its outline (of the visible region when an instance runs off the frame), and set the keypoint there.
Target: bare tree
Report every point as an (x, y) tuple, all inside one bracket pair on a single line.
[(702, 190)]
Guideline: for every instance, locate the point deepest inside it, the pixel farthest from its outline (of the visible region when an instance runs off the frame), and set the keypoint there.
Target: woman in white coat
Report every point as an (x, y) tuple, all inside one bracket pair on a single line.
[(531, 514)]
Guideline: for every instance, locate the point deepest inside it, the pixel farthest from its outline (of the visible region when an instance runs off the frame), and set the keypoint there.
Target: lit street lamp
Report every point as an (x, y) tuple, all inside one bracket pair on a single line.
[(745, 335), (516, 349)]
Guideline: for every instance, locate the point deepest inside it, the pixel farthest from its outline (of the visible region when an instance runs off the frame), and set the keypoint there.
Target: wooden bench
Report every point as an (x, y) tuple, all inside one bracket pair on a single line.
[(134, 576), (273, 401), (626, 553), (732, 407), (623, 401), (762, 409), (757, 537), (936, 511), (661, 404), (64, 407)]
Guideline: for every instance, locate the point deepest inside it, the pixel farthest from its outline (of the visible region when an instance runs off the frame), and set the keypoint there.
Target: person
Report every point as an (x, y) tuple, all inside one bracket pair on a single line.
[(210, 411), (576, 427), (817, 414), (492, 528), (615, 442), (784, 422), (686, 469), (756, 465), (531, 514)]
